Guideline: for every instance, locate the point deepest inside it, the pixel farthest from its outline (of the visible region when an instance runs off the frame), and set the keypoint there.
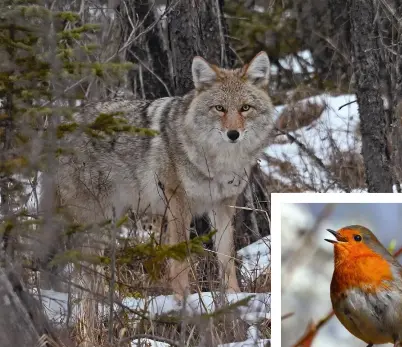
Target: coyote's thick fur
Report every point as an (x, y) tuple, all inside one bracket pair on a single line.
[(199, 162)]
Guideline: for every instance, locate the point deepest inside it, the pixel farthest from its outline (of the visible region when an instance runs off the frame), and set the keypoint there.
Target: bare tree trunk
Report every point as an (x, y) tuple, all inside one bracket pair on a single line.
[(22, 321), (373, 120), (323, 28), (16, 329), (151, 77), (197, 27), (396, 93)]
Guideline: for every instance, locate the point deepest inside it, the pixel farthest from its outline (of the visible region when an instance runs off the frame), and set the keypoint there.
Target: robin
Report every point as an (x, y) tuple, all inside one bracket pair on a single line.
[(366, 287)]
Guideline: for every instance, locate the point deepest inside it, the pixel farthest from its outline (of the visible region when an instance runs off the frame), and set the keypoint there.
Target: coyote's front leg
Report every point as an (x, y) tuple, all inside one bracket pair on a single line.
[(179, 219), (221, 219)]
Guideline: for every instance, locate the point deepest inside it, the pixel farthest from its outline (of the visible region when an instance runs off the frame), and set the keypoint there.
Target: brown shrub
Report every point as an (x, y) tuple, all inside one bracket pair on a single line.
[(299, 115)]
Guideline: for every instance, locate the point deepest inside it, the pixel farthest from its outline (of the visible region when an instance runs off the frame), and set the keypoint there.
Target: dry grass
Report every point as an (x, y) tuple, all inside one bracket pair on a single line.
[(298, 115), (94, 327)]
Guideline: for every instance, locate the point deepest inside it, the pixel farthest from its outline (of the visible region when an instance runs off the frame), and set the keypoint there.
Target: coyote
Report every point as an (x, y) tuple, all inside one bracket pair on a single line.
[(199, 162)]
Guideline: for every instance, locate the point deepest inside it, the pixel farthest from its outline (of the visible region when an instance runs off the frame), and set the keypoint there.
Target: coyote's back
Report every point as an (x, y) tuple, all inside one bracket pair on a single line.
[(198, 162)]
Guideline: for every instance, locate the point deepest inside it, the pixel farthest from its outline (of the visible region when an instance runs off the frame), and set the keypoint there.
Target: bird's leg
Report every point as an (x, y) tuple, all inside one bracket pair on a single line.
[(370, 345)]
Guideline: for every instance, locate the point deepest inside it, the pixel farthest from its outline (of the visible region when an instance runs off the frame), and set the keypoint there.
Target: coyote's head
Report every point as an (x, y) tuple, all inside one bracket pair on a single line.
[(232, 104)]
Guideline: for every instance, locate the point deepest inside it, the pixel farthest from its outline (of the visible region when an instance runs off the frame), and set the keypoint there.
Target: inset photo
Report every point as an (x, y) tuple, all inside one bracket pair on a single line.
[(341, 278)]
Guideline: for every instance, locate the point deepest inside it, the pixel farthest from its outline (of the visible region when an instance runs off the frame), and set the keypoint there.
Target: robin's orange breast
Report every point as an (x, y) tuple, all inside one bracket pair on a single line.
[(364, 298), (368, 271)]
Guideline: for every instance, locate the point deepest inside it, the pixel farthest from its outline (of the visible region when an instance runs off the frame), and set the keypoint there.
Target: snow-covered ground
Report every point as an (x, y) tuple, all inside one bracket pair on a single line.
[(256, 308), (255, 258), (335, 128), (56, 305), (246, 343)]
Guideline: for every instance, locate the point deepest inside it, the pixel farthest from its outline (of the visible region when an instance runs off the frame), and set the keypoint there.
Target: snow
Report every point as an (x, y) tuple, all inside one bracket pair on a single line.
[(100, 12), (55, 305), (248, 343), (292, 63), (256, 310), (149, 343), (161, 12), (336, 128), (256, 258)]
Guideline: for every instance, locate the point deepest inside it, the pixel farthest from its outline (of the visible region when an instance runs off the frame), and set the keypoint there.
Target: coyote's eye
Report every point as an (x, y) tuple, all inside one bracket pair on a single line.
[(245, 108), (219, 108)]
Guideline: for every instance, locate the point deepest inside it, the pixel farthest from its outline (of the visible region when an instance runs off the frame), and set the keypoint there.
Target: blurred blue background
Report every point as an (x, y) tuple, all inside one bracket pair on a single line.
[(385, 218)]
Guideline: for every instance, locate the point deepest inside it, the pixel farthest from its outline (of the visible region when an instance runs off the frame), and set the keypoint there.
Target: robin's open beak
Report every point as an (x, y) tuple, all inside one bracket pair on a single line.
[(333, 232)]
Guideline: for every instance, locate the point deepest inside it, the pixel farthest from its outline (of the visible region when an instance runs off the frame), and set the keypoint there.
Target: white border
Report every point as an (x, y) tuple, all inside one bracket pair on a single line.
[(299, 198)]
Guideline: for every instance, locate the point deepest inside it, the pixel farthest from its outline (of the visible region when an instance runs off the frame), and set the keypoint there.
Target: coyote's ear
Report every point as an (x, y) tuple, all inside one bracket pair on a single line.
[(257, 71), (203, 73)]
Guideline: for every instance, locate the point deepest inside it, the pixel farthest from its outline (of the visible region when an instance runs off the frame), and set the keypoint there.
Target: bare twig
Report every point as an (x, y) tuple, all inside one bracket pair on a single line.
[(112, 276), (348, 103), (317, 160), (312, 330)]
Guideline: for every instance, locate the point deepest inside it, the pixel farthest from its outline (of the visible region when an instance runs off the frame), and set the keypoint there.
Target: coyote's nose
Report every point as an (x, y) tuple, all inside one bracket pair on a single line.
[(233, 135)]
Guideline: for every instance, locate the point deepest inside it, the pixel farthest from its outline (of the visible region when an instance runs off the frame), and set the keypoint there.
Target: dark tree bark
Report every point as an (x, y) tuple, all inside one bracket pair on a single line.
[(373, 120), (22, 321), (197, 27), (151, 78), (395, 92), (323, 27)]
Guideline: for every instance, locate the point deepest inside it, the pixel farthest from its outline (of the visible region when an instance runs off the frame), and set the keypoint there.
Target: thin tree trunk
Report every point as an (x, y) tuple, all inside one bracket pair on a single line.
[(373, 122)]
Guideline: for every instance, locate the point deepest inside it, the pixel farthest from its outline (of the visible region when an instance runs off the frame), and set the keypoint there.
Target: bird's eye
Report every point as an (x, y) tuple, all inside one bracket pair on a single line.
[(245, 108), (357, 238), (219, 108)]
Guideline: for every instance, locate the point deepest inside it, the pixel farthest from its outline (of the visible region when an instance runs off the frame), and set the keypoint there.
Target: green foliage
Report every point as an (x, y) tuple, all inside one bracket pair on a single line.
[(43, 51), (111, 123), (153, 255), (392, 246), (47, 59), (105, 124)]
